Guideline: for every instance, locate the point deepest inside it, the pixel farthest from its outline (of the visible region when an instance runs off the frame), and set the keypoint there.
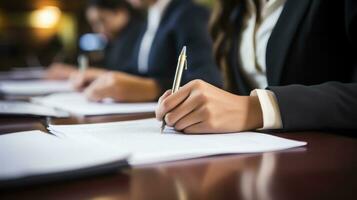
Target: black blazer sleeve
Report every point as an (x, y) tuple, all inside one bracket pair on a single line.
[(329, 106), (191, 30)]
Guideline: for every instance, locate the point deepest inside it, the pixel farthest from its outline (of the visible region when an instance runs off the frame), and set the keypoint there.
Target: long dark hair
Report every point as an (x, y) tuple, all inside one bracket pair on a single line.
[(222, 31)]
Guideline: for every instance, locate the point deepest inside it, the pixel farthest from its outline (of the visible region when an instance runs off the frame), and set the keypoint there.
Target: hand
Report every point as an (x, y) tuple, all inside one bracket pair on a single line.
[(122, 87), (199, 107), (80, 80), (59, 71)]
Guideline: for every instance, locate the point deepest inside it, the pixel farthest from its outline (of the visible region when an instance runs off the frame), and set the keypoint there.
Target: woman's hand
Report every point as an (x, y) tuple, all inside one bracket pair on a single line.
[(122, 87), (59, 71), (199, 107), (81, 80)]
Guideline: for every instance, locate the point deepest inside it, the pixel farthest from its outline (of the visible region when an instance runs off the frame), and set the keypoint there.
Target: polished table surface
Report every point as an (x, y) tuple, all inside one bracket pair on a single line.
[(325, 169)]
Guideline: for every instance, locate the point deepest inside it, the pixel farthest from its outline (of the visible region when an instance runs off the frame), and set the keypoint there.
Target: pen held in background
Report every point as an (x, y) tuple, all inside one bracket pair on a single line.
[(83, 63), (181, 64)]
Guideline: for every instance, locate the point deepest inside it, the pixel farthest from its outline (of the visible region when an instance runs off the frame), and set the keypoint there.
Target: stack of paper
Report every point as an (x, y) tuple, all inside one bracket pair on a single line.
[(91, 148), (26, 108), (77, 104), (34, 87), (25, 73), (142, 138), (34, 153)]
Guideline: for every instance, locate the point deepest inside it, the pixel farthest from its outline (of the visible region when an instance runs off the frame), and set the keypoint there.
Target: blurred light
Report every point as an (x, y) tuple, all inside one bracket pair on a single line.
[(92, 42), (46, 17)]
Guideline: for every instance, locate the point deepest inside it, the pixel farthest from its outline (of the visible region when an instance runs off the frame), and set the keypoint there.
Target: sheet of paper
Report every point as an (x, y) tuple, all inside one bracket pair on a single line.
[(26, 108), (77, 104), (147, 145), (33, 153), (34, 87), (24, 73)]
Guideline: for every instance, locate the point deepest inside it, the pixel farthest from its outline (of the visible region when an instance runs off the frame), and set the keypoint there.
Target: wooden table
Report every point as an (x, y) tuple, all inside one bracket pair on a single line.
[(325, 169)]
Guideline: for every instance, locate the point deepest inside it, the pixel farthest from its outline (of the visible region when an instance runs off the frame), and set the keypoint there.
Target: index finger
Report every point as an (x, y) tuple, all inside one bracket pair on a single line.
[(164, 96), (172, 101), (97, 90)]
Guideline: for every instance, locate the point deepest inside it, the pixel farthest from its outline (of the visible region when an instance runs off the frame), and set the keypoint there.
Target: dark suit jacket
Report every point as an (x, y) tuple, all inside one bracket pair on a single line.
[(119, 52), (313, 43), (183, 23)]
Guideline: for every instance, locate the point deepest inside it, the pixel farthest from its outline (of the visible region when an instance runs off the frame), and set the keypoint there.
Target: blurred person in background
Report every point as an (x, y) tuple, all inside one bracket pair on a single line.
[(119, 24), (171, 24)]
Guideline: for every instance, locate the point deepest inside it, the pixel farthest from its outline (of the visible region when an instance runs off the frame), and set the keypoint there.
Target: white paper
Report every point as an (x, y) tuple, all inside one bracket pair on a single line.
[(26, 108), (77, 104), (34, 87), (31, 153), (147, 145), (23, 73)]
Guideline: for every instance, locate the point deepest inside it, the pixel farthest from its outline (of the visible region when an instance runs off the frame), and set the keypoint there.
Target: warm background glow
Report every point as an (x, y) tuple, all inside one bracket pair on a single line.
[(46, 17), (37, 32)]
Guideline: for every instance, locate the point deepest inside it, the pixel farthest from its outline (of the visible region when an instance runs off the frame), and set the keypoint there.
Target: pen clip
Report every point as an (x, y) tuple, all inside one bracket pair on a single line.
[(185, 64)]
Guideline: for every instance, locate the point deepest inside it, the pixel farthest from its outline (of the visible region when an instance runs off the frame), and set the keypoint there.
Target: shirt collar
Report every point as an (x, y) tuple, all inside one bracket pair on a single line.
[(156, 11)]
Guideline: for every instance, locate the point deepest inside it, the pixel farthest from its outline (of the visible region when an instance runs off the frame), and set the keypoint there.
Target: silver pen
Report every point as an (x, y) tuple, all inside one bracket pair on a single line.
[(181, 64), (83, 63)]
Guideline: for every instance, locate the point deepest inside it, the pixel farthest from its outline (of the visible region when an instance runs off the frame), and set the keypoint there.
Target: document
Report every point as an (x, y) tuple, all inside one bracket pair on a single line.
[(74, 150), (77, 104), (142, 138), (24, 73), (26, 108), (34, 87), (35, 153)]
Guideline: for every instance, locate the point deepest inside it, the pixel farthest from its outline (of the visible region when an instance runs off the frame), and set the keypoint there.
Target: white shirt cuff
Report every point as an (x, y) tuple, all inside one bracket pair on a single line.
[(270, 109)]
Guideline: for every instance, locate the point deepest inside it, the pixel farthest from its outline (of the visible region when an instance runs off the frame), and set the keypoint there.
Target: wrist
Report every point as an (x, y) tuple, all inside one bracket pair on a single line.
[(254, 113)]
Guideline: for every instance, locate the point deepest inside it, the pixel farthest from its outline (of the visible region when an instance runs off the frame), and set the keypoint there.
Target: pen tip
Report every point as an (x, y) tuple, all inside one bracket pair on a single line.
[(184, 50)]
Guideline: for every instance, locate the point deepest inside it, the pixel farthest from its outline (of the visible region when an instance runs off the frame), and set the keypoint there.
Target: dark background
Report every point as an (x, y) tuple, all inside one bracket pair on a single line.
[(27, 41)]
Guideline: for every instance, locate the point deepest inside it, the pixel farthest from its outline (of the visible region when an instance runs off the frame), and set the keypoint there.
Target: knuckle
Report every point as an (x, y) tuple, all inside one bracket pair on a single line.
[(160, 101), (165, 104), (165, 95), (108, 76), (110, 80), (198, 83), (167, 92), (202, 96), (170, 119)]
